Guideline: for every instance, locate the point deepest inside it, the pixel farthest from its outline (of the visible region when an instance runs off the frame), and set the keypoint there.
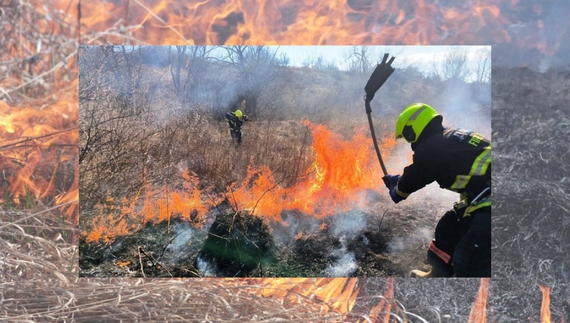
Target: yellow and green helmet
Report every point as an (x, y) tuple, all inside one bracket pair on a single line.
[(413, 120), (238, 113)]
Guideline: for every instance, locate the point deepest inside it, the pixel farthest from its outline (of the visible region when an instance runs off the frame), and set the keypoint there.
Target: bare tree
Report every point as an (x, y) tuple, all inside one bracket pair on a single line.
[(316, 61), (117, 118), (451, 65), (363, 59), (256, 67), (360, 59), (187, 67), (455, 67), (483, 66)]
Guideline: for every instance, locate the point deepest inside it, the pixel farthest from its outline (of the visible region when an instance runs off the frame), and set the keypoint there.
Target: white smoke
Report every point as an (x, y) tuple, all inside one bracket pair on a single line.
[(461, 107), (346, 264), (181, 247), (206, 268), (345, 225), (295, 223), (344, 267), (419, 236), (349, 223)]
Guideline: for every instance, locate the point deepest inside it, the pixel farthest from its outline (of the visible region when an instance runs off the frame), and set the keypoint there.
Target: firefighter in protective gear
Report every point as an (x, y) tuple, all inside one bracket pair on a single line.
[(458, 160), (235, 121)]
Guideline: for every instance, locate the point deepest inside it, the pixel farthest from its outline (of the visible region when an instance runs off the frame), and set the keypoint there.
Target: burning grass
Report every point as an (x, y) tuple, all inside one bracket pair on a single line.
[(39, 282), (328, 186)]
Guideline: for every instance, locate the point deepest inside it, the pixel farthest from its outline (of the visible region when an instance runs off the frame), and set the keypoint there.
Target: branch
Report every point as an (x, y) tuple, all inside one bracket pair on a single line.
[(28, 139)]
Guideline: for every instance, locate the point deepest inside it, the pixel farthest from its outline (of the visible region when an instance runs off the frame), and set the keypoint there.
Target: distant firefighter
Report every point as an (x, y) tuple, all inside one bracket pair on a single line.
[(235, 120), (458, 160)]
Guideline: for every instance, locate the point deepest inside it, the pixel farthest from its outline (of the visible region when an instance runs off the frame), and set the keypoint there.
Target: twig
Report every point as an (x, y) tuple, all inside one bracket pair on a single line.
[(167, 209), (382, 218), (155, 262), (169, 242), (52, 180), (140, 261), (57, 66), (161, 20), (27, 139), (262, 195), (38, 213)]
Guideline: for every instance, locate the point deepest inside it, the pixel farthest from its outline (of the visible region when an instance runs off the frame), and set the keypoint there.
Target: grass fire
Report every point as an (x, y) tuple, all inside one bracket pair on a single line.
[(163, 183)]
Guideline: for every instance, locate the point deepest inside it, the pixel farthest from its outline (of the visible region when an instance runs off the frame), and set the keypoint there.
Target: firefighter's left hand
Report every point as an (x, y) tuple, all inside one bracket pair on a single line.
[(395, 197), (391, 180)]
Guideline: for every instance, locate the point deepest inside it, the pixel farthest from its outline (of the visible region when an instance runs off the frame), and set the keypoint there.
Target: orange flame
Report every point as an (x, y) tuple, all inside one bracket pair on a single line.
[(479, 309), (119, 219), (384, 304), (294, 22), (35, 146), (338, 294), (545, 307), (341, 171)]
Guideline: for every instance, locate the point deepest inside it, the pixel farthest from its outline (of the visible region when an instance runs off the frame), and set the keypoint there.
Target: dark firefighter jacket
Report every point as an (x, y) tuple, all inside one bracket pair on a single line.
[(234, 122), (456, 159)]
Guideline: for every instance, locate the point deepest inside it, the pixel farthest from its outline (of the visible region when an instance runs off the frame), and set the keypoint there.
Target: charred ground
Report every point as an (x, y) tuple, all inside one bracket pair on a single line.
[(376, 242), (531, 207)]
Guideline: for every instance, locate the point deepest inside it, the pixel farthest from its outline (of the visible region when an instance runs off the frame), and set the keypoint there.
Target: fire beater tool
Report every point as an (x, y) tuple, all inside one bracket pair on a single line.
[(379, 76)]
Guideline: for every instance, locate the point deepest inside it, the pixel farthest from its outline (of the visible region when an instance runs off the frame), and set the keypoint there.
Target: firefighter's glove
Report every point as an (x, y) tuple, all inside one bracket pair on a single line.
[(395, 197), (391, 180)]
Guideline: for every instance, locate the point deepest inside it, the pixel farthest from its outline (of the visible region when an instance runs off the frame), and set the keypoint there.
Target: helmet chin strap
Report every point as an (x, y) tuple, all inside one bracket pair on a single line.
[(409, 134)]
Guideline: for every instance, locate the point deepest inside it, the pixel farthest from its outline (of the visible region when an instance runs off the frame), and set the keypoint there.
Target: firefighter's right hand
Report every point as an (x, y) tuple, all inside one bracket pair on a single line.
[(391, 180)]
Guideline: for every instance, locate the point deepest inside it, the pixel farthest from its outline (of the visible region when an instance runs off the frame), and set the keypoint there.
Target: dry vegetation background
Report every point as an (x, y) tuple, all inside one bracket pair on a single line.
[(38, 246)]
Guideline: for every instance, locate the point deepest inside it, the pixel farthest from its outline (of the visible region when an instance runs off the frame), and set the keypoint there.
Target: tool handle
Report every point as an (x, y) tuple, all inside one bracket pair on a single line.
[(369, 114)]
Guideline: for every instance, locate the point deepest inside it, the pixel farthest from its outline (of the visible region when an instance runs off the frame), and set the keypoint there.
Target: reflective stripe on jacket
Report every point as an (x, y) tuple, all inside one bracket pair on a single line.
[(456, 159)]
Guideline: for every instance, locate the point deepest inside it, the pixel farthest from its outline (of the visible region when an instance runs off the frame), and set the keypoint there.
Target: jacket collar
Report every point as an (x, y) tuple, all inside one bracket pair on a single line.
[(434, 127)]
